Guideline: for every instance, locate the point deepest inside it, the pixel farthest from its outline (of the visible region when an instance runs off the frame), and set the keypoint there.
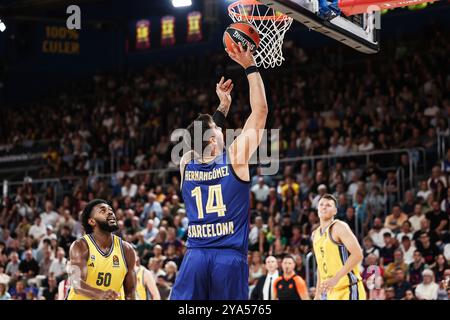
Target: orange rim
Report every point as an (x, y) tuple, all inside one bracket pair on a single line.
[(254, 3)]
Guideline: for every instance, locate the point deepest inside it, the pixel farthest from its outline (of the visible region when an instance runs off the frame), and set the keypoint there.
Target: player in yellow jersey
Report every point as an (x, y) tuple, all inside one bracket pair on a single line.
[(100, 262), (338, 255), (146, 288)]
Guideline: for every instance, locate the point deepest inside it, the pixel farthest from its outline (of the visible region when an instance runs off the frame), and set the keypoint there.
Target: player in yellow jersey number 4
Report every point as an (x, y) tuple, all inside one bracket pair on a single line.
[(338, 255)]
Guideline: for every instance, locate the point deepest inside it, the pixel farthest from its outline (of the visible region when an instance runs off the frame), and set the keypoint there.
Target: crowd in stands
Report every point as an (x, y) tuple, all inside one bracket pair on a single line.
[(321, 105)]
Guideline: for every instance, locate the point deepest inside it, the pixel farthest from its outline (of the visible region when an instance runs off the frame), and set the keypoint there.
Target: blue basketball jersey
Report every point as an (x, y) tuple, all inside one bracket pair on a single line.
[(217, 205)]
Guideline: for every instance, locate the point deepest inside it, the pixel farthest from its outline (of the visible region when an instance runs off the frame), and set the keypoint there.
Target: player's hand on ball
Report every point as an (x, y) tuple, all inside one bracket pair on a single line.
[(329, 284), (243, 57), (109, 295), (223, 90)]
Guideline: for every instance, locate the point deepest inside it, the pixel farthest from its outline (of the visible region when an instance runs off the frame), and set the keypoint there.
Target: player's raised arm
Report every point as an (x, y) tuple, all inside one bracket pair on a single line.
[(247, 142), (79, 253)]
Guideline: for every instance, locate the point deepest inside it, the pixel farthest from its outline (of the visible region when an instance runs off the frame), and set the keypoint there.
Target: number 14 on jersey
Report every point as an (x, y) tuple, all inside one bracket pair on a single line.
[(214, 202)]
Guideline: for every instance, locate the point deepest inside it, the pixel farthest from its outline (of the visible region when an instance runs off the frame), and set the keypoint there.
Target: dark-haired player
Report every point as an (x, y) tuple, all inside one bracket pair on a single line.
[(338, 256), (100, 262), (216, 192)]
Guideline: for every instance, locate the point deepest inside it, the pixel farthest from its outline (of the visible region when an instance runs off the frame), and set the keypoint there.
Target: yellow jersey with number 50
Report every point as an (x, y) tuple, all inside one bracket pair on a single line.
[(105, 271)]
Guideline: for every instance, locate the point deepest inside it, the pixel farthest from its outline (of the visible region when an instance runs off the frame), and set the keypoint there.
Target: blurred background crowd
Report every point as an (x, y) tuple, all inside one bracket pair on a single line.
[(368, 130)]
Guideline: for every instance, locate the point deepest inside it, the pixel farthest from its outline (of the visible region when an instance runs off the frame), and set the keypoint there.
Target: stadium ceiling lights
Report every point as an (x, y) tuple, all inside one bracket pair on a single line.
[(181, 3)]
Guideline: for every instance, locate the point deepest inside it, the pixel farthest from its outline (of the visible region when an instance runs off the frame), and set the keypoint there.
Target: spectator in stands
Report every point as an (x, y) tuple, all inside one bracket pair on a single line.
[(389, 293), (425, 228), (377, 232), (390, 275), (38, 229), (350, 218), (387, 252), (376, 291), (12, 268), (66, 239), (4, 294), (171, 269), (65, 220), (256, 268), (439, 268), (445, 203), (424, 191), (51, 292), (46, 262), (416, 268), (155, 267), (376, 201), (443, 291), (400, 284), (436, 176), (58, 266), (29, 266), (370, 248), (405, 230), (150, 232), (129, 189), (254, 234), (409, 203), (438, 220), (409, 295), (49, 217), (428, 250), (395, 220), (261, 190), (427, 289), (417, 217), (289, 184), (19, 292), (151, 206), (408, 248)]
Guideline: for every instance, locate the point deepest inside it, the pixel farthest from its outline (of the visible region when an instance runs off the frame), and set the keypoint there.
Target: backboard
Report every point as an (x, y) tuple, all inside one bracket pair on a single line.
[(360, 31)]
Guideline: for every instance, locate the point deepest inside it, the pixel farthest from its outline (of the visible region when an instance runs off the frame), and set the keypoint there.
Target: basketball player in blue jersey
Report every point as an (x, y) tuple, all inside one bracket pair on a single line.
[(216, 192)]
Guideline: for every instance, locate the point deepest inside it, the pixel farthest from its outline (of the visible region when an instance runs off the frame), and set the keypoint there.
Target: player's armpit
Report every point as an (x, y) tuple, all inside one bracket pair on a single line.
[(183, 162), (129, 283), (342, 233)]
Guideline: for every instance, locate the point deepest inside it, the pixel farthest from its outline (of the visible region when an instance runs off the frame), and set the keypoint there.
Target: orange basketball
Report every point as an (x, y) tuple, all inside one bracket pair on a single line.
[(242, 32)]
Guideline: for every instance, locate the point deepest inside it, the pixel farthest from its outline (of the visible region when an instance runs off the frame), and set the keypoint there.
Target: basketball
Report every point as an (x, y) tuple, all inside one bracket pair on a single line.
[(242, 32)]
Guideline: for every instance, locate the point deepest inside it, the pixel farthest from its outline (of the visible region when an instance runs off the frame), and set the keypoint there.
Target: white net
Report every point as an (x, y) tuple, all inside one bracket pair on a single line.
[(271, 26)]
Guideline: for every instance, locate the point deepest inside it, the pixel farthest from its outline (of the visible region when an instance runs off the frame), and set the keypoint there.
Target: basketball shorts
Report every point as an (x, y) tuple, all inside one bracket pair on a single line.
[(212, 274), (353, 292)]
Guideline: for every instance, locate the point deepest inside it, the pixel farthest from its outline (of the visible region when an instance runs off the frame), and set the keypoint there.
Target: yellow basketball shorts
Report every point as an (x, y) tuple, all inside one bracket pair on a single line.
[(353, 292)]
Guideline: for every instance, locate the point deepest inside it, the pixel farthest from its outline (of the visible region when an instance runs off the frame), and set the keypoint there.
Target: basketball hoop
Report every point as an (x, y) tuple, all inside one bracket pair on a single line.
[(271, 25)]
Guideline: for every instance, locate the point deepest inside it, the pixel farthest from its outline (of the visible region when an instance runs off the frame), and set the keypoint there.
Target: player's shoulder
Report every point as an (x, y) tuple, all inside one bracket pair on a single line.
[(126, 245), (340, 226), (79, 246)]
